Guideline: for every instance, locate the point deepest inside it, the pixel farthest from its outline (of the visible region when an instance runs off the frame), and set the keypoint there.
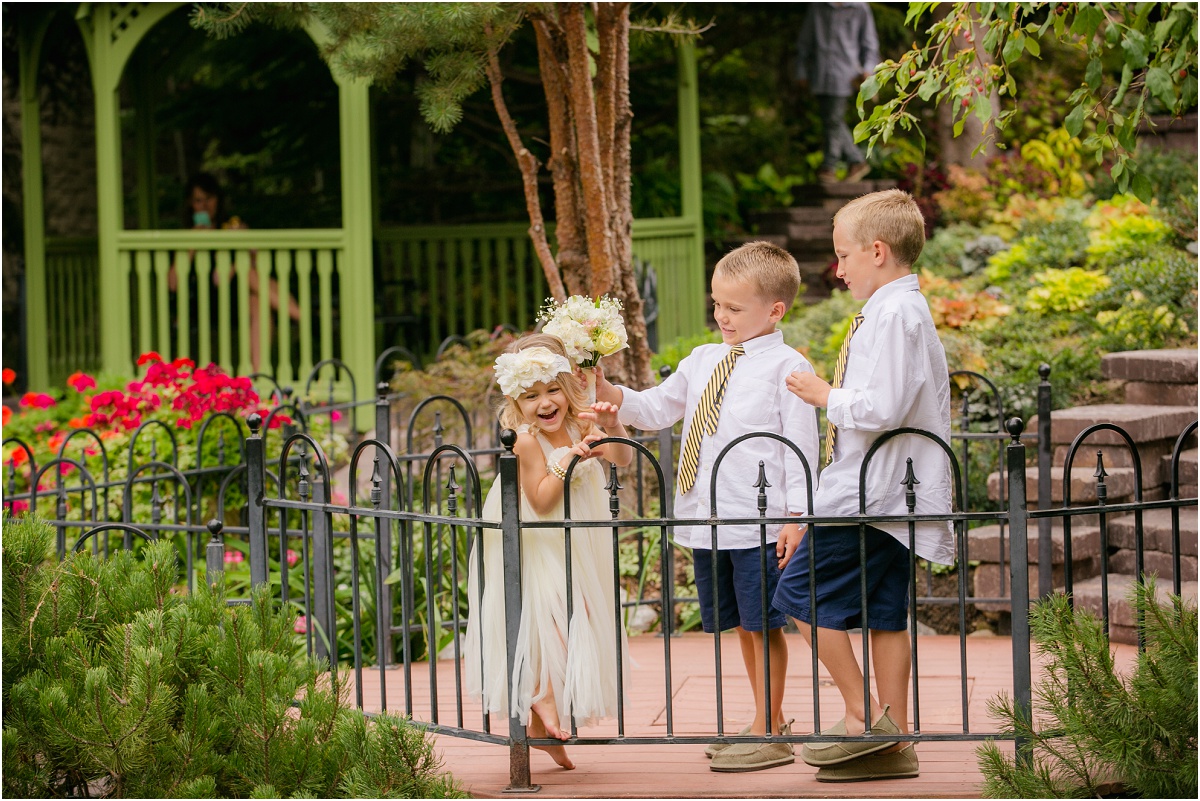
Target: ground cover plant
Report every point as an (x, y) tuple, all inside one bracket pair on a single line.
[(115, 685)]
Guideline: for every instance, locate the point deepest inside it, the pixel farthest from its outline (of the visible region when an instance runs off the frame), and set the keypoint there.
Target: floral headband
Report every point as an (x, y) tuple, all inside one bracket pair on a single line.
[(517, 372)]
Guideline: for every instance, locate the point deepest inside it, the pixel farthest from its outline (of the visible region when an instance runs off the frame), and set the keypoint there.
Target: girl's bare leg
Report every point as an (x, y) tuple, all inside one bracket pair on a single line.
[(544, 723)]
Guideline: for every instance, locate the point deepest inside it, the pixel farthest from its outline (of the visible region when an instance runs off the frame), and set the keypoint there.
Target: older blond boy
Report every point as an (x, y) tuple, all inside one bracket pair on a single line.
[(892, 375), (752, 288)]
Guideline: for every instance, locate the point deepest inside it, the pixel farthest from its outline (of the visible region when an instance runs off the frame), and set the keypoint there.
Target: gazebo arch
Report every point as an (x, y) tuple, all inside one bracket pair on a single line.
[(315, 265)]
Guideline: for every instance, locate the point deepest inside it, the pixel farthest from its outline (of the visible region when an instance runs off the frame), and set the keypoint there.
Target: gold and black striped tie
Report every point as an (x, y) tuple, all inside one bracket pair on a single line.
[(839, 375), (704, 421)]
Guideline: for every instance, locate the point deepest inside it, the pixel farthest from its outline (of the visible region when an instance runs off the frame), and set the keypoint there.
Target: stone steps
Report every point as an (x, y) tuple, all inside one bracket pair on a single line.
[(1122, 614), (1160, 402)]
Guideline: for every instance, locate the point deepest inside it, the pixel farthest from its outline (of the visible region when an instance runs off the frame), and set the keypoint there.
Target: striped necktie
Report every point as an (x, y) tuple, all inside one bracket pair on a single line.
[(839, 375), (704, 421)]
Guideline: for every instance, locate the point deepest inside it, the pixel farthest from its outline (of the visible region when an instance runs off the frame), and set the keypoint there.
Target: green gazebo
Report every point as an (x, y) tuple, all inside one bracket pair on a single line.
[(96, 303)]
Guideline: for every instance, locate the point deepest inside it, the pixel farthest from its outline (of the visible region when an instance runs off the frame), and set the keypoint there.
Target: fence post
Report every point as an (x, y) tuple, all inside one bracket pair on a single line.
[(666, 461), (214, 554), (322, 550), (1045, 471), (256, 521), (510, 528), (383, 530), (1018, 523)]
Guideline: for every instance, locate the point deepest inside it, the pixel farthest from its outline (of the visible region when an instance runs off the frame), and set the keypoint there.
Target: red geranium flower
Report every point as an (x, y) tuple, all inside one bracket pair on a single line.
[(9, 375), (81, 381), (149, 356), (19, 456), (7, 414), (37, 400)]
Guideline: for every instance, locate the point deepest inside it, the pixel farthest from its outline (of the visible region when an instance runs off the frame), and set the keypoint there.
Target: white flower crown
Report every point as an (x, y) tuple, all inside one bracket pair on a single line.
[(517, 372)]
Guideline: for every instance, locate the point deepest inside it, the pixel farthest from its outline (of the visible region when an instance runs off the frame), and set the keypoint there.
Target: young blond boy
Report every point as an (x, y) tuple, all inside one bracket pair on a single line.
[(752, 288), (894, 375)]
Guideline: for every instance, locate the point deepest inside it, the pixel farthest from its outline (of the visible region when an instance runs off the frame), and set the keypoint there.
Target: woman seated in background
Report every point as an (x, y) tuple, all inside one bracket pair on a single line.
[(203, 210)]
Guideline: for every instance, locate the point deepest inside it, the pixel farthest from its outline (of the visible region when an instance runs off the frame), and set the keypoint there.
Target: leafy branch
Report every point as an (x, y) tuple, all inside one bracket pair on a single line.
[(971, 48)]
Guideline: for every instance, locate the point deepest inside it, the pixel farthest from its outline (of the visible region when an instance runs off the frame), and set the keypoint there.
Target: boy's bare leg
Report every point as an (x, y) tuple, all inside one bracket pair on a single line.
[(891, 656), (752, 647), (837, 655), (544, 723)]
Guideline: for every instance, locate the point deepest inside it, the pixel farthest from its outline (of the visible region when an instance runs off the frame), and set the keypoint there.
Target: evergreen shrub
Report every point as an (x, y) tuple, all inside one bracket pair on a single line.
[(1096, 731), (114, 684)]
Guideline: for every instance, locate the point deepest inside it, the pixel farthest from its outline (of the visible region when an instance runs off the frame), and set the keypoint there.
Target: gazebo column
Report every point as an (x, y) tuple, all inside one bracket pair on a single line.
[(357, 277), (115, 321), (36, 343)]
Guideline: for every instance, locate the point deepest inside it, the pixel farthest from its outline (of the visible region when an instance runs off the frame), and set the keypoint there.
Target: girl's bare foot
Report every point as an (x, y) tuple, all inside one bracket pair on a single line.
[(547, 715), (538, 730)]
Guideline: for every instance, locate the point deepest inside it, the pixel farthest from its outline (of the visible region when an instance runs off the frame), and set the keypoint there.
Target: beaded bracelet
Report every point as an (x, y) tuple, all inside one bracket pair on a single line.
[(557, 471)]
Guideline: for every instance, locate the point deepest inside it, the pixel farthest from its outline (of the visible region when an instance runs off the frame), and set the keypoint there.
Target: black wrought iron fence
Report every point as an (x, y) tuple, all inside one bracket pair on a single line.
[(410, 519)]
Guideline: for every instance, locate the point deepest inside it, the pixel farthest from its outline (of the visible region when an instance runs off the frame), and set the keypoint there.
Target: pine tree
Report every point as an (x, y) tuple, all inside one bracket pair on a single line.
[(1094, 729), (115, 684), (583, 55)]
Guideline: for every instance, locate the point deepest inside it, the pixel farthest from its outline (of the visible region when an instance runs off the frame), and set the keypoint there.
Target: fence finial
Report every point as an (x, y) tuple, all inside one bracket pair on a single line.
[(255, 423), (382, 389), (1044, 371), (508, 438), (1014, 426)]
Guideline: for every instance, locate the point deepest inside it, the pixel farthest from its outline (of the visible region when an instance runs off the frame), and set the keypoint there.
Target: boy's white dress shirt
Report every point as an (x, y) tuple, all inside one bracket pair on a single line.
[(756, 400), (896, 377)]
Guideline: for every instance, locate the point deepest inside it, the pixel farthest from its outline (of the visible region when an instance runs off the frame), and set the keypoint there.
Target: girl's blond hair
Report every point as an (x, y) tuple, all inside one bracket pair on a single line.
[(510, 412)]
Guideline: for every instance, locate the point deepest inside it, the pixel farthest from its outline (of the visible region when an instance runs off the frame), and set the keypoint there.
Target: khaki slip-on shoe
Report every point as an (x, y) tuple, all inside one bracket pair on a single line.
[(901, 764), (820, 755), (856, 172), (746, 757), (715, 748)]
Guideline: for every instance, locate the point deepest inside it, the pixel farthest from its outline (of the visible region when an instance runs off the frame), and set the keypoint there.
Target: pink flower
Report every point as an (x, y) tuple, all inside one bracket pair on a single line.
[(292, 557), (18, 507), (301, 625), (335, 415), (81, 381), (233, 557)]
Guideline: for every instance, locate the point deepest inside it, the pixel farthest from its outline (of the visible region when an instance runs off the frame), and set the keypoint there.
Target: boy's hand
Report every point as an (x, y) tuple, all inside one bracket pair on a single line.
[(809, 388), (789, 540), (605, 391), (602, 413)]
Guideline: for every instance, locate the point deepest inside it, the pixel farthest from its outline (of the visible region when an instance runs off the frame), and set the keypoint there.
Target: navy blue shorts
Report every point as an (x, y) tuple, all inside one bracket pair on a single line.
[(739, 588), (839, 580)]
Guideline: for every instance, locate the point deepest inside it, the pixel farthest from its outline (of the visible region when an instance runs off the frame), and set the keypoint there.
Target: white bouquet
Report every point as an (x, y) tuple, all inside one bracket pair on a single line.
[(589, 329)]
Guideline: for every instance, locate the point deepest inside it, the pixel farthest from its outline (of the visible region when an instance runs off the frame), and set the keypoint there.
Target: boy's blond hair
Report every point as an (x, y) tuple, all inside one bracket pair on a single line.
[(770, 268), (510, 412), (891, 217)]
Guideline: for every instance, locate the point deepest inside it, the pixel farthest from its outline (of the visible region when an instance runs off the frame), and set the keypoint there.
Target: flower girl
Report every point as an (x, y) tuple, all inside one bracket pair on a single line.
[(562, 668)]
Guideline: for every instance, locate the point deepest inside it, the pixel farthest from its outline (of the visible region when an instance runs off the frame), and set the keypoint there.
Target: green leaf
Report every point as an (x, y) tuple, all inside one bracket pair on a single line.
[(983, 109), (1142, 188), (862, 130), (1087, 21), (1074, 121), (1134, 45), (1159, 82), (1123, 182), (1126, 77), (1117, 169), (1032, 47), (958, 127), (929, 86), (1187, 92), (1094, 74), (1014, 47), (1162, 30)]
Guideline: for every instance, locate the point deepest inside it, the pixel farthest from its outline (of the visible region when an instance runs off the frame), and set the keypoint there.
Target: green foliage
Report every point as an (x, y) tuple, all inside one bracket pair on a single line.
[(817, 331), (1068, 290), (114, 682), (1153, 45), (1092, 725), (673, 352)]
